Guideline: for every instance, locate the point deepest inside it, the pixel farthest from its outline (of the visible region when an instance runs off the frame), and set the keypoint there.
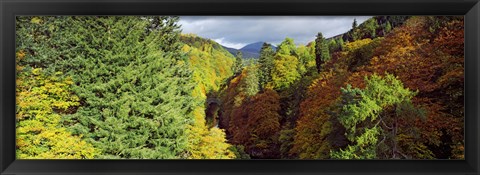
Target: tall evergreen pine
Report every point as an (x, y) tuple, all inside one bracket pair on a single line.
[(237, 68), (354, 32), (322, 53), (133, 82), (266, 64)]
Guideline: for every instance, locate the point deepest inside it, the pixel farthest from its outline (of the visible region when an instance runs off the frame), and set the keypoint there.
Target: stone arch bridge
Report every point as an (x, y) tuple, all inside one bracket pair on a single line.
[(211, 100)]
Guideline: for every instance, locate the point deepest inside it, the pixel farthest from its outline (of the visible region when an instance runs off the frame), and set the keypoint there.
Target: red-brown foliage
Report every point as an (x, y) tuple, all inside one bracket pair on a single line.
[(431, 63), (314, 125)]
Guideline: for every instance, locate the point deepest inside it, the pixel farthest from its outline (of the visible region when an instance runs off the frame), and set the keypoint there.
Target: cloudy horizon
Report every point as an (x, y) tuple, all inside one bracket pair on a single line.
[(238, 31)]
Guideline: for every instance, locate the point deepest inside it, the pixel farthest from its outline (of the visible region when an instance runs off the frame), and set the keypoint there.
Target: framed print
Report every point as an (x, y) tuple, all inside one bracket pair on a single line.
[(239, 87)]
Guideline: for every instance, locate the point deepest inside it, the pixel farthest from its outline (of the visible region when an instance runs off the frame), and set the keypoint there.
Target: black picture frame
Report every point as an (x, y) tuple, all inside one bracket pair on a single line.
[(10, 8)]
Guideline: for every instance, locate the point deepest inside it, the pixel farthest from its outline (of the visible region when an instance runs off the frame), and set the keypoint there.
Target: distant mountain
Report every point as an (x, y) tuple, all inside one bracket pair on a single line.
[(250, 50), (254, 47), (231, 50), (246, 54)]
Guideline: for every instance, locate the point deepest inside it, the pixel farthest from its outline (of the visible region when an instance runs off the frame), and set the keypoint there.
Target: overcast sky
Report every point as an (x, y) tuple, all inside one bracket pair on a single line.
[(238, 31)]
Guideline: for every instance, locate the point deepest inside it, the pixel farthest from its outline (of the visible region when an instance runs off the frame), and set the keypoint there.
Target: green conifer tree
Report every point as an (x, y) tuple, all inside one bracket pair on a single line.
[(133, 82), (322, 53), (238, 65), (354, 32), (265, 64)]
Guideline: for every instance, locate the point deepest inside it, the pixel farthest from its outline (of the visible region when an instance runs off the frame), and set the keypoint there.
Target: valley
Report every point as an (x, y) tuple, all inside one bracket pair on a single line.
[(390, 87)]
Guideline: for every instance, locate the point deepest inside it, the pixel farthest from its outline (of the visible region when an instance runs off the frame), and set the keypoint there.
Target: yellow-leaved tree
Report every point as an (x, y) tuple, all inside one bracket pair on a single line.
[(205, 143), (41, 101), (210, 65)]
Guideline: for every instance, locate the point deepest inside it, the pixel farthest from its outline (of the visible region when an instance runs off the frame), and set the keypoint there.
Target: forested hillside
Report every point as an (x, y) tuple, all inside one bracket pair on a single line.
[(395, 94), (136, 88)]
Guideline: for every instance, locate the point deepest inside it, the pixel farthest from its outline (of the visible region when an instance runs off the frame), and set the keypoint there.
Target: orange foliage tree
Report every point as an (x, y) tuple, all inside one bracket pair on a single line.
[(263, 124), (313, 139), (430, 61), (251, 120)]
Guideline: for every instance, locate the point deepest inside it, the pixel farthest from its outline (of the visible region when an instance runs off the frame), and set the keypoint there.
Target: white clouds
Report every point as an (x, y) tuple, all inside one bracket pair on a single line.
[(229, 44), (236, 31)]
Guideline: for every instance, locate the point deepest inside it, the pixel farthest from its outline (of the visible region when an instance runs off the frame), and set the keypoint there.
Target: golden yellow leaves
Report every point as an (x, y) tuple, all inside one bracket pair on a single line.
[(39, 134), (284, 72), (52, 143), (350, 46), (205, 143), (208, 67)]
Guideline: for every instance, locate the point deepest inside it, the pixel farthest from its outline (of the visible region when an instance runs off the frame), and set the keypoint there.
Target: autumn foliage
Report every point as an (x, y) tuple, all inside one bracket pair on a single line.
[(41, 102), (390, 88), (428, 61), (314, 125)]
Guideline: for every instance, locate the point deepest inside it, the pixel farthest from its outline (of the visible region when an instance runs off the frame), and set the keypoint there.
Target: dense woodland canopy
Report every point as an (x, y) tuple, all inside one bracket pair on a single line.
[(137, 88)]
